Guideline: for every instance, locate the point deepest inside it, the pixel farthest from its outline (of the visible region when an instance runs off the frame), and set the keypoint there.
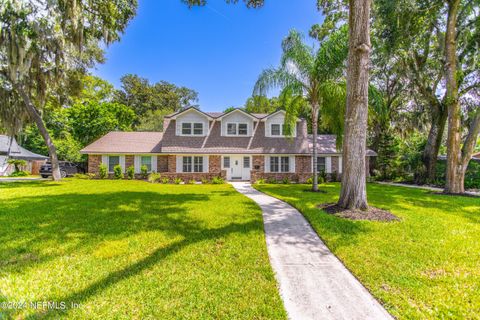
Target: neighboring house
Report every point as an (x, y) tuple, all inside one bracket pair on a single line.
[(9, 149), (235, 145)]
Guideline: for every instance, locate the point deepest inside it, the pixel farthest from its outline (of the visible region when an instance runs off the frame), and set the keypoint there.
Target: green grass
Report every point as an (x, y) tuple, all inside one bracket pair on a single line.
[(133, 250), (427, 266)]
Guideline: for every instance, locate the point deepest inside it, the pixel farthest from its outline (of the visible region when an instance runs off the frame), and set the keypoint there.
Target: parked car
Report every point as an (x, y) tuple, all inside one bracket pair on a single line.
[(66, 169)]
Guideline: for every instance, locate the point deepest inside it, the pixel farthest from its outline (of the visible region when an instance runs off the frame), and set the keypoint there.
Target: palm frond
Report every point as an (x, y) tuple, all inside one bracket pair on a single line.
[(333, 95), (332, 55), (296, 52), (272, 78)]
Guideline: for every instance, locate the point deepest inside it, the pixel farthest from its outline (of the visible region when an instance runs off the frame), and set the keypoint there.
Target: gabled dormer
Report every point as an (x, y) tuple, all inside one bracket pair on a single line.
[(237, 123), (275, 125), (191, 122)]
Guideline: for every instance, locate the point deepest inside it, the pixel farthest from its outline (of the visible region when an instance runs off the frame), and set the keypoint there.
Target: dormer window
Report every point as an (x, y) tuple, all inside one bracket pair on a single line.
[(192, 128), (237, 129), (277, 129)]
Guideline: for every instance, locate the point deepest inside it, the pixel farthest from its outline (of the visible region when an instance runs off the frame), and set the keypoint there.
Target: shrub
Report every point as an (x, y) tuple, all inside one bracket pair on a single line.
[(309, 180), (322, 174), (334, 177), (20, 173), (165, 180), (117, 172), (205, 181), (286, 180), (218, 180), (131, 172), (144, 171), (154, 177), (320, 180), (191, 181), (177, 180), (271, 180), (260, 181), (84, 176), (103, 171)]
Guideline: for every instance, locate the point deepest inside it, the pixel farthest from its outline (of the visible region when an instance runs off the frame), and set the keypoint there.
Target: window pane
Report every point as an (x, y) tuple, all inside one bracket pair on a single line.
[(321, 167), (285, 165), (226, 162), (146, 161), (274, 164), (187, 164), (246, 162), (198, 128), (198, 164), (112, 162), (242, 129), (231, 128), (275, 129), (186, 128)]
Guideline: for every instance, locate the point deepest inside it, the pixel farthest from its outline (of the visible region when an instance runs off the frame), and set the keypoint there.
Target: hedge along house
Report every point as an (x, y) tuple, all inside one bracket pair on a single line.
[(235, 145)]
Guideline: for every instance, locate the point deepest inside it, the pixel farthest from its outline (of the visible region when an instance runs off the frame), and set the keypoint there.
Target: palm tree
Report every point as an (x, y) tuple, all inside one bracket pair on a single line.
[(315, 75)]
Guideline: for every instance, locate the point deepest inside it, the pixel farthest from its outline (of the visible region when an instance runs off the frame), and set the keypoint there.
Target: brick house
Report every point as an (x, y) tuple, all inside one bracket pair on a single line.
[(235, 145)]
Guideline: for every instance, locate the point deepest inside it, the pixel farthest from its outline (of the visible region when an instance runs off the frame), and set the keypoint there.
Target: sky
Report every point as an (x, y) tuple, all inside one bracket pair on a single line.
[(217, 50)]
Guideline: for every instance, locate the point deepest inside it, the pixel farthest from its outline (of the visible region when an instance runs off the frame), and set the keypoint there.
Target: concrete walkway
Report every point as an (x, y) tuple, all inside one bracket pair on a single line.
[(313, 283), (415, 186)]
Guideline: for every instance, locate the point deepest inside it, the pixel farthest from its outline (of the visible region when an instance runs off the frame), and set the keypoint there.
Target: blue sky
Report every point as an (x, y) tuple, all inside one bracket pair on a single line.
[(217, 50)]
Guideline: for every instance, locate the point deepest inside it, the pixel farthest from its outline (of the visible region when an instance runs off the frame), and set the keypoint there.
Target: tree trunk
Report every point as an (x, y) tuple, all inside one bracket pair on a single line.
[(314, 145), (353, 194), (434, 141), (454, 182), (33, 112)]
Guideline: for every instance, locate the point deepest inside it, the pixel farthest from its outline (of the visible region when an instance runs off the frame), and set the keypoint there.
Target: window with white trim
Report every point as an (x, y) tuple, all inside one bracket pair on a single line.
[(192, 128), (226, 162), (321, 164), (112, 162), (242, 129), (237, 129), (192, 164), (246, 162), (146, 161), (231, 129), (275, 129), (279, 164)]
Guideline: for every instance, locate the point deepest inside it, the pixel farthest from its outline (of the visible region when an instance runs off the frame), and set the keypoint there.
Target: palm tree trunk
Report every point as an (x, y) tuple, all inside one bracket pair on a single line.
[(454, 182), (353, 194), (315, 108), (33, 112)]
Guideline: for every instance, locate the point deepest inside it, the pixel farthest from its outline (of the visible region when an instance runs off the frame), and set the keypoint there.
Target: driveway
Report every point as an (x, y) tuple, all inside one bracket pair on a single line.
[(313, 283)]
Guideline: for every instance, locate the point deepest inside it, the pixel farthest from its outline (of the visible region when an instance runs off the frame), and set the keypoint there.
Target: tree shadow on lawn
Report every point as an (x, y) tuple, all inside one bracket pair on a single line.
[(94, 218)]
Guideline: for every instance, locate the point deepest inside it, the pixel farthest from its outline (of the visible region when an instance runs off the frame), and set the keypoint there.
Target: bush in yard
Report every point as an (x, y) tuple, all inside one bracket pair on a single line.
[(260, 181), (154, 177), (144, 171), (272, 181), (218, 180), (117, 172), (165, 180), (334, 176), (103, 171), (309, 180), (286, 180), (20, 173), (191, 181), (177, 180), (131, 172), (205, 181)]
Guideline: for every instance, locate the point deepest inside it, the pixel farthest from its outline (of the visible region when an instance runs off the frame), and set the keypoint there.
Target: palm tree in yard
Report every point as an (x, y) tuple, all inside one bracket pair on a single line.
[(313, 75)]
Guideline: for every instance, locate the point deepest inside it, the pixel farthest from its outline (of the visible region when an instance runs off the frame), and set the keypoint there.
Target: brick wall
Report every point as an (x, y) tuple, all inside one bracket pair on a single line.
[(215, 164), (94, 162), (129, 161), (172, 164), (162, 163), (302, 172)]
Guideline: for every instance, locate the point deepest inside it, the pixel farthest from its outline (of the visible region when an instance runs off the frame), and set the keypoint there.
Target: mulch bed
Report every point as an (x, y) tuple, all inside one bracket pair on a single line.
[(372, 214)]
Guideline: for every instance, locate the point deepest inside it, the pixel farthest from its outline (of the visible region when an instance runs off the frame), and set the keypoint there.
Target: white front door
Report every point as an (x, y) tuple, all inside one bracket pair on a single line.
[(240, 167)]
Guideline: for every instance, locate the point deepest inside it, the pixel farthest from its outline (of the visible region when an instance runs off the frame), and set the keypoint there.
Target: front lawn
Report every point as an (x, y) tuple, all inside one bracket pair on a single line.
[(133, 250), (427, 266)]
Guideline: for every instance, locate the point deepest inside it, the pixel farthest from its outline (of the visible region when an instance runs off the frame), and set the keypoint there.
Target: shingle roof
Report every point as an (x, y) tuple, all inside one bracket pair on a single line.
[(216, 115), (126, 142), (17, 151)]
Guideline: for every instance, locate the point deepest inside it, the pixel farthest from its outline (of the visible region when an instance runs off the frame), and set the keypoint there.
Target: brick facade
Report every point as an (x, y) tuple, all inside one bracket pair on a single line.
[(215, 164), (129, 161), (162, 163), (303, 169), (94, 161)]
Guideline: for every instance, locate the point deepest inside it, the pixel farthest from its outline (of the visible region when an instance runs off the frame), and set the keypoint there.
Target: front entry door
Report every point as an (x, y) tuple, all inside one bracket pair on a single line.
[(236, 168)]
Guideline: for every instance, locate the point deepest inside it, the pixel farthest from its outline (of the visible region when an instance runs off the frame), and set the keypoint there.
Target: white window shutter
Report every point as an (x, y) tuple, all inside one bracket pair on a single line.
[(136, 164), (154, 163), (105, 160), (340, 164), (267, 163), (205, 164), (122, 162), (328, 164), (292, 164), (179, 164)]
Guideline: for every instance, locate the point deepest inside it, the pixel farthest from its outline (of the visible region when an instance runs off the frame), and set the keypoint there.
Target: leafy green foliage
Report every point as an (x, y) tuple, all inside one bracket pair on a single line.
[(131, 172), (472, 175), (103, 171), (19, 173), (17, 163), (165, 180), (154, 177), (218, 180), (144, 171), (177, 180), (262, 104), (118, 172)]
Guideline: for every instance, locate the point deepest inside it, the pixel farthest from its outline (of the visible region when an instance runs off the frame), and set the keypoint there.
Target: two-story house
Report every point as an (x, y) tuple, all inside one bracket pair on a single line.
[(235, 145)]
